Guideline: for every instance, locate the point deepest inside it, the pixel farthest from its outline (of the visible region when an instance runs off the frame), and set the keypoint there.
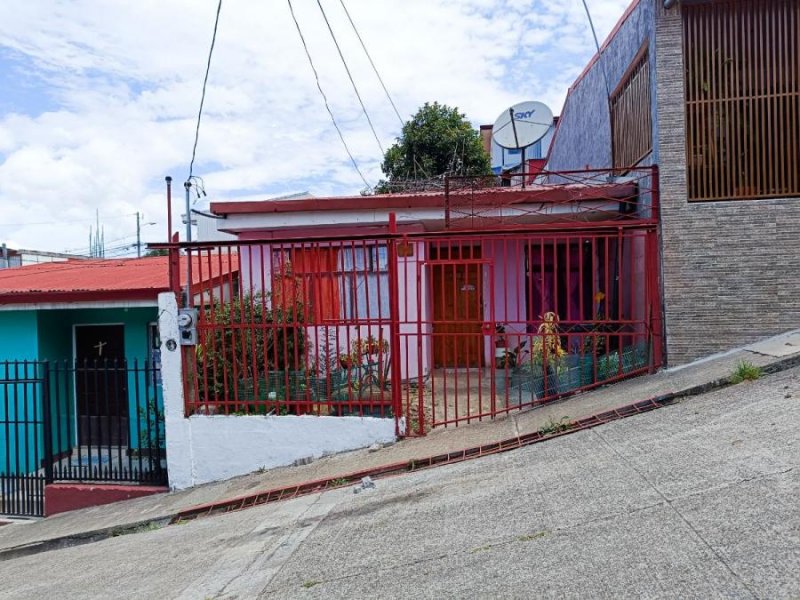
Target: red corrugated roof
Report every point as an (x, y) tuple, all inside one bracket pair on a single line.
[(99, 279)]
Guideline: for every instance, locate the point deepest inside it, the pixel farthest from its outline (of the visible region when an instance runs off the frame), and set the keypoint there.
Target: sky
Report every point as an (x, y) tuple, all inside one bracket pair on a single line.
[(99, 98)]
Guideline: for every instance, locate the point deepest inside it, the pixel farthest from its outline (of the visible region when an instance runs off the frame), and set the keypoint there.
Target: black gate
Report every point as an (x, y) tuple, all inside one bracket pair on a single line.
[(23, 387), (86, 421)]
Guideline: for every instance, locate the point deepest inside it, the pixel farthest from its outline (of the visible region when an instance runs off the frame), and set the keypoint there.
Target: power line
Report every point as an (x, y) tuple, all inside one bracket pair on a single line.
[(325, 98), (203, 95), (597, 45), (350, 77), (81, 249), (64, 222), (374, 68)]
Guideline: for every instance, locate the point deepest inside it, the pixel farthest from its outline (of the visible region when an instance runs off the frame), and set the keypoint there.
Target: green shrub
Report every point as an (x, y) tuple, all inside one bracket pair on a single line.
[(745, 371), (243, 339)]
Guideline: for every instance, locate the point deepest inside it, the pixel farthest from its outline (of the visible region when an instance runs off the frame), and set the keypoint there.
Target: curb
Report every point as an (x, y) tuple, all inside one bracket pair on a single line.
[(383, 471), (85, 537)]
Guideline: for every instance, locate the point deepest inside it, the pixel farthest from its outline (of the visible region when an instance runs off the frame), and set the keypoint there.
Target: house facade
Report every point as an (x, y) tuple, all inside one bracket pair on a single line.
[(709, 92), (81, 399), (458, 290)]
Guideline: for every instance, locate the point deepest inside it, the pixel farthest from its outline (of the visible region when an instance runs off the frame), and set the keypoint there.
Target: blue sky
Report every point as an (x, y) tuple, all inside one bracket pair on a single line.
[(99, 97)]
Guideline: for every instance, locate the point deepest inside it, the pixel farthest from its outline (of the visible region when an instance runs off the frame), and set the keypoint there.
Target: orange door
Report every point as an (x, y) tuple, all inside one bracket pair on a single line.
[(457, 313)]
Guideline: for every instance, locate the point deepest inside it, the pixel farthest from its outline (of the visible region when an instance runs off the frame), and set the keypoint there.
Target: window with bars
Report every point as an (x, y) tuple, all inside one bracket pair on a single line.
[(364, 273), (632, 131), (742, 78), (333, 283)]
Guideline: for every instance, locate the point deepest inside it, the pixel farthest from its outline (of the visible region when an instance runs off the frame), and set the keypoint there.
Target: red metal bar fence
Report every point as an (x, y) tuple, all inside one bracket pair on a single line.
[(431, 329)]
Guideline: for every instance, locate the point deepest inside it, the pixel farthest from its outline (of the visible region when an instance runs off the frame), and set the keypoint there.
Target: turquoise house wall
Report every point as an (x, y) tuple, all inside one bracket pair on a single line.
[(18, 402), (48, 335), (18, 335)]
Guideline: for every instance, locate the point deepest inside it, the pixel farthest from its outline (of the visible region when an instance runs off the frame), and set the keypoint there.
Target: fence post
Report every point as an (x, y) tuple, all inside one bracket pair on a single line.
[(47, 423), (447, 202), (394, 327)]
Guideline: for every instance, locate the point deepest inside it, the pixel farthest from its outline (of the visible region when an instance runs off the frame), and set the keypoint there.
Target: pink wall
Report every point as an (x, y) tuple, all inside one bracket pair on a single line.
[(504, 291)]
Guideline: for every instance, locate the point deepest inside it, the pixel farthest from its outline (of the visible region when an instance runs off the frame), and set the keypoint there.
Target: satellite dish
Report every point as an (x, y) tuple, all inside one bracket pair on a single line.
[(522, 124)]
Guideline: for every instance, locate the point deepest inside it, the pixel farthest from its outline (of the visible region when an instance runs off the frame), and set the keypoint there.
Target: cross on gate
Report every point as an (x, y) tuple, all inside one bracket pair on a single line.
[(99, 346)]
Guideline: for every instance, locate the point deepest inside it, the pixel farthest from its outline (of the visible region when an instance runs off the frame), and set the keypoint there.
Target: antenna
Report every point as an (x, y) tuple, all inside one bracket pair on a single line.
[(520, 126)]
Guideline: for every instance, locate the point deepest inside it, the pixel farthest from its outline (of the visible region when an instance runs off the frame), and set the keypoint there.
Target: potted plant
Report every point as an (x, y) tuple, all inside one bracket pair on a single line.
[(594, 344), (548, 355), (347, 361), (536, 374), (510, 357), (505, 357)]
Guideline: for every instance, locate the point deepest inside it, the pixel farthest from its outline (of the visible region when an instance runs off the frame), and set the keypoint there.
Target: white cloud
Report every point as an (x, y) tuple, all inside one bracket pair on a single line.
[(125, 78)]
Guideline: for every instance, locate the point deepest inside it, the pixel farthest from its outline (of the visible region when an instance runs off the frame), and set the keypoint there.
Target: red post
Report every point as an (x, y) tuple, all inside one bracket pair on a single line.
[(174, 267), (394, 326), (446, 202)]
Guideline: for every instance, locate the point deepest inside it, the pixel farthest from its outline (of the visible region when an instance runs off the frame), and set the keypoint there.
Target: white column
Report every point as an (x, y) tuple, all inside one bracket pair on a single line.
[(180, 455)]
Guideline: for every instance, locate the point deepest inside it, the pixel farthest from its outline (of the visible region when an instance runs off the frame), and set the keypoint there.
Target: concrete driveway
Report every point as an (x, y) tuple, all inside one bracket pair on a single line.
[(697, 500)]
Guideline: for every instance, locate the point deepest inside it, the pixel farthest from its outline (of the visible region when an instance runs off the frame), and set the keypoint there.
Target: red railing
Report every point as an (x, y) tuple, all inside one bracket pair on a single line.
[(552, 200)]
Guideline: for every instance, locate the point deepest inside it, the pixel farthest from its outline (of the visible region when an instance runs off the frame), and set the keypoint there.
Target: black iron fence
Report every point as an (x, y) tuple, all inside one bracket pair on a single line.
[(88, 421), (22, 423)]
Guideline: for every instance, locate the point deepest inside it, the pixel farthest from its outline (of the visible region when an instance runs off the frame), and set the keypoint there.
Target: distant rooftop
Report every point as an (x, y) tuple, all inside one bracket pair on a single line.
[(19, 257), (97, 279)]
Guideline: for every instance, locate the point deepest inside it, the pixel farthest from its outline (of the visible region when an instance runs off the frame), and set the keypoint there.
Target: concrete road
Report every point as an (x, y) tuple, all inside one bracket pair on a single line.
[(698, 500)]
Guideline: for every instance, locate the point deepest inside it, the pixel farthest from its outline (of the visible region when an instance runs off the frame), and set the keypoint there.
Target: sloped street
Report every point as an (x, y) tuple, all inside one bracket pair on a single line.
[(697, 500)]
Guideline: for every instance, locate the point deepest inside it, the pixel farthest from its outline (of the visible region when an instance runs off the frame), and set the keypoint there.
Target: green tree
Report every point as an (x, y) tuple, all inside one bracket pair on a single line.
[(438, 140)]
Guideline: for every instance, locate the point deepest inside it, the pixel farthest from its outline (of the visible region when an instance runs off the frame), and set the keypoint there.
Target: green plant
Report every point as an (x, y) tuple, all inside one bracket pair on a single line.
[(326, 352), (532, 536), (745, 371), (437, 139), (152, 433), (242, 338), (369, 345), (511, 357), (608, 366), (311, 583), (552, 426), (594, 344), (546, 347), (339, 481)]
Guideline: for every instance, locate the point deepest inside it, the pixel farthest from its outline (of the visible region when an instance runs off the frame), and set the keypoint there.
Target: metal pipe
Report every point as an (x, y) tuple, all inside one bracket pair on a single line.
[(169, 207), (188, 299)]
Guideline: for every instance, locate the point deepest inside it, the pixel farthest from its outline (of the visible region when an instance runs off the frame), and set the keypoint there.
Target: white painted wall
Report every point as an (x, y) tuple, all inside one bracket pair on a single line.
[(226, 446), (201, 449)]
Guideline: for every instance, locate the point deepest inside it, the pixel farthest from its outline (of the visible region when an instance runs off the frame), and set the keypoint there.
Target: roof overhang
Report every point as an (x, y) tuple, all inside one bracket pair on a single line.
[(424, 200), (99, 304), (78, 296)]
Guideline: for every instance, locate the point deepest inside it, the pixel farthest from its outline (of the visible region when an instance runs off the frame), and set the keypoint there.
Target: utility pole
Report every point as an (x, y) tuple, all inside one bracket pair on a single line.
[(138, 237)]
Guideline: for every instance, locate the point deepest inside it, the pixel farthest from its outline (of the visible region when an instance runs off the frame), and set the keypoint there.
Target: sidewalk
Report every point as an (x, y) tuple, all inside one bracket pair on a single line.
[(100, 522)]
